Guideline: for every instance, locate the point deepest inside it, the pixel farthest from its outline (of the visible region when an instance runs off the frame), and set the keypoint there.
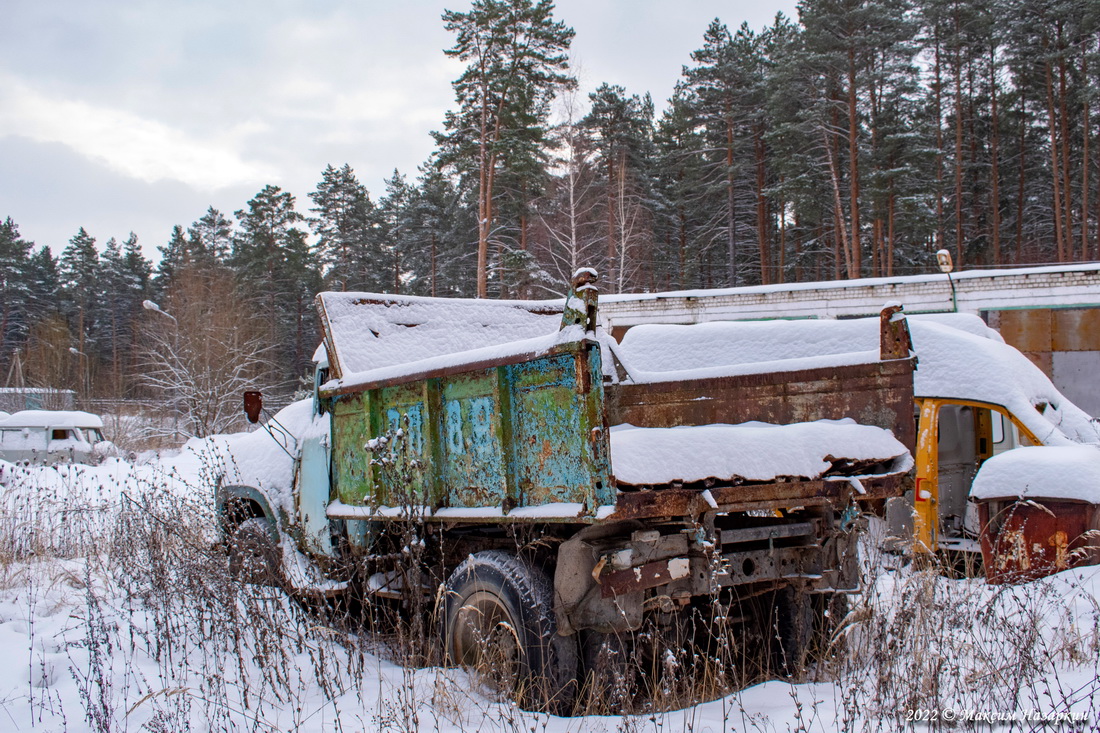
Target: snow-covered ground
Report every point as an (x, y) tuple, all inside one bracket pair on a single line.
[(117, 614)]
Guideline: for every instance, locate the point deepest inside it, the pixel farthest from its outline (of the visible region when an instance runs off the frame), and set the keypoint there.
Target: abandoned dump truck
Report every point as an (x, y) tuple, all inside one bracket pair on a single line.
[(976, 397), (556, 503)]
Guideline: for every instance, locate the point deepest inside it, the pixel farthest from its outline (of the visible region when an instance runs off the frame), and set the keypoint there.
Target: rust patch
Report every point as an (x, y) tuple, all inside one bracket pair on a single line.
[(879, 394), (1022, 541), (689, 502), (894, 339), (632, 580)]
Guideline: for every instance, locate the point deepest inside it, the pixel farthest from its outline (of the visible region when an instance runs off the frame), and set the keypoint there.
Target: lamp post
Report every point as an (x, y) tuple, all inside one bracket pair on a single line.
[(943, 259), (85, 382), (151, 306)]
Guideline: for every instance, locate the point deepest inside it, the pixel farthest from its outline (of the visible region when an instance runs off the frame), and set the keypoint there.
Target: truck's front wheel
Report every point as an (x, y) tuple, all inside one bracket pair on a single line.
[(499, 620), (253, 555)]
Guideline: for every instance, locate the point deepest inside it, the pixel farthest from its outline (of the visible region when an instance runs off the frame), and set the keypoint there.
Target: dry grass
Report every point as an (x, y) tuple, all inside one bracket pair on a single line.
[(162, 637)]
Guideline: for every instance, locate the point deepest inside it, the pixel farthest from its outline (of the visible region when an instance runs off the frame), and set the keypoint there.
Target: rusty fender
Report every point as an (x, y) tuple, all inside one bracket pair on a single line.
[(604, 571)]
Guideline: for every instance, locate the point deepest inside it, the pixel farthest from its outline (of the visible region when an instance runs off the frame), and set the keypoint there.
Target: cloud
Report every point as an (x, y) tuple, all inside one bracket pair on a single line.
[(137, 147)]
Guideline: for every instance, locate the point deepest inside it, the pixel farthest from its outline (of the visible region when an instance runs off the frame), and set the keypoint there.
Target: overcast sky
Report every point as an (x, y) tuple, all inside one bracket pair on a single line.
[(135, 115)]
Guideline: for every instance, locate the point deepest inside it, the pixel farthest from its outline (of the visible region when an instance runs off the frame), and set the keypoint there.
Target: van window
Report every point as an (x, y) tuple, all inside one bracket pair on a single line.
[(23, 439), (59, 434), (998, 424), (1005, 435)]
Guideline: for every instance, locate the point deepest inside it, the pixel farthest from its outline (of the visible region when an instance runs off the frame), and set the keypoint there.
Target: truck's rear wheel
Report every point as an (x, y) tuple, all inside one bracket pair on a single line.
[(253, 555), (611, 669), (499, 620), (792, 622)]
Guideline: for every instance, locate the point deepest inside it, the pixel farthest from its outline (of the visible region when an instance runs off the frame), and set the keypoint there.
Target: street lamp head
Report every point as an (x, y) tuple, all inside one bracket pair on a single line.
[(76, 352), (151, 306), (943, 259)]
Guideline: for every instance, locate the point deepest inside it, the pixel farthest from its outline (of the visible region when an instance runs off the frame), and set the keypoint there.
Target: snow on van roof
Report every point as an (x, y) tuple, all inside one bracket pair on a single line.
[(1041, 472), (51, 419), (369, 331), (959, 357)]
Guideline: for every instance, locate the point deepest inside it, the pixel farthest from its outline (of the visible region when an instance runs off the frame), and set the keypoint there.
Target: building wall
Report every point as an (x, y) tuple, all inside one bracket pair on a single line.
[(1063, 342)]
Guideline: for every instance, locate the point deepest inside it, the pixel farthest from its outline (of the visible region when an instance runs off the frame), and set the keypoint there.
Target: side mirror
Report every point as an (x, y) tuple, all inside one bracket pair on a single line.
[(253, 405)]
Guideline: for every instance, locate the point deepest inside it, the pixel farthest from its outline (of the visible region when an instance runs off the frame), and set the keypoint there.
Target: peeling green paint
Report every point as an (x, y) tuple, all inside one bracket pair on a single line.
[(508, 436)]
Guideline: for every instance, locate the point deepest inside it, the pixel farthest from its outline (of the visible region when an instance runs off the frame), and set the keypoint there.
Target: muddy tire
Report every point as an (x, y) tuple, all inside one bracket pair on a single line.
[(831, 613), (499, 621), (253, 555), (792, 632), (610, 673)]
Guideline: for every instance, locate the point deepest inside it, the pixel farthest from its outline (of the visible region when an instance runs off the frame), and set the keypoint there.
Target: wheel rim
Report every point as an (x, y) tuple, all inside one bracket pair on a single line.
[(485, 638)]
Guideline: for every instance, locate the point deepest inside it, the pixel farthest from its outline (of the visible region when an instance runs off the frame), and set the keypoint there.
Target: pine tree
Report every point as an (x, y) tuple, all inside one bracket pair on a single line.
[(278, 274), (395, 231), (79, 271), (44, 283), (175, 255), (210, 238), (728, 101), (139, 271), (124, 282), (440, 224), (15, 289), (681, 178), (347, 245), (516, 56), (622, 128)]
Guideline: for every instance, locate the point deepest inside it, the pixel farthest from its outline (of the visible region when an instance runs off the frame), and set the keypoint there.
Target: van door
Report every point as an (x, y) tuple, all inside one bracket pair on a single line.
[(958, 446)]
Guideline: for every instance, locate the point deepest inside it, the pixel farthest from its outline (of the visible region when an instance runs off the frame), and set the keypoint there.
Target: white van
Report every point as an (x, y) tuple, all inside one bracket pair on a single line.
[(47, 437)]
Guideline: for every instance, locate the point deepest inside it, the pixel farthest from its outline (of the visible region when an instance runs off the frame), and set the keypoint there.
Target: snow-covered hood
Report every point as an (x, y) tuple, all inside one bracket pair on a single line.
[(257, 458)]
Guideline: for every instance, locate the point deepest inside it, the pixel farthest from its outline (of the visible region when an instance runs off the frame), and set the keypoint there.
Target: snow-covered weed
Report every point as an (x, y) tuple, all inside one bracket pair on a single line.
[(927, 639), (118, 612)]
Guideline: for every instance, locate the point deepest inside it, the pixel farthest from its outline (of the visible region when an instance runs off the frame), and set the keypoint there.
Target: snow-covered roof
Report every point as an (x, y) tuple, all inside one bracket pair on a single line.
[(369, 331), (752, 451), (1041, 472), (959, 358), (51, 419), (851, 284)]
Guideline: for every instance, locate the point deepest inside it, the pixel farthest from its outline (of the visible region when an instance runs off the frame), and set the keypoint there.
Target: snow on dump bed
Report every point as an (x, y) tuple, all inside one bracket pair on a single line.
[(531, 347), (370, 331), (752, 451), (959, 357), (1041, 472)]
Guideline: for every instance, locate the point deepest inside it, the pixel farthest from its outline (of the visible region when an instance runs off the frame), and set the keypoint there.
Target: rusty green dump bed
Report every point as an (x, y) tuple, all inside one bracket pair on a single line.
[(481, 440), (479, 411), (501, 418)]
